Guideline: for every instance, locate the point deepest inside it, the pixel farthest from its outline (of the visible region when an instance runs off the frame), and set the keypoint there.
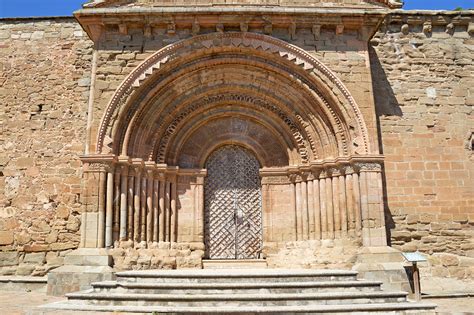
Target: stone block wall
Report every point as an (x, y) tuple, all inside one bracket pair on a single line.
[(424, 91), (44, 86)]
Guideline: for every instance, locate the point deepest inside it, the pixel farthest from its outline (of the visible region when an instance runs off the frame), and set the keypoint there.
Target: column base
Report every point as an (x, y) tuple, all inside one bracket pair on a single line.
[(82, 267), (385, 264)]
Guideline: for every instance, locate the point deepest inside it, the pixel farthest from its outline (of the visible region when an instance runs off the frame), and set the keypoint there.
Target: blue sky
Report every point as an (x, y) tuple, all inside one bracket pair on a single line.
[(17, 8)]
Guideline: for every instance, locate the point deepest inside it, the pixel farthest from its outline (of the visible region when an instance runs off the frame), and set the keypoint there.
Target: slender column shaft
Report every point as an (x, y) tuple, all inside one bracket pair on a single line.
[(356, 196), (364, 208), (323, 204), (123, 204), (266, 205), (200, 235), (317, 210), (311, 219), (350, 204), (299, 211), (149, 208), (343, 204), (293, 207), (162, 220), (335, 204), (117, 196), (304, 210), (130, 205), (174, 212), (156, 210), (168, 211), (101, 214), (329, 208), (109, 208), (143, 209), (136, 207)]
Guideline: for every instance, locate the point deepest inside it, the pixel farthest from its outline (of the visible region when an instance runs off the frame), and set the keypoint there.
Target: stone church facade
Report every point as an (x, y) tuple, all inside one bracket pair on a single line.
[(310, 134)]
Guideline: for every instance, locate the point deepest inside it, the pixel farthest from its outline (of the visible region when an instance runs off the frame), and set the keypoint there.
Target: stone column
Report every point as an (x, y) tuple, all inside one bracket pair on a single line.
[(317, 205), (322, 201), (357, 202), (156, 207), (167, 210), (98, 171), (350, 200), (123, 198), (130, 202), (293, 209), (161, 202), (329, 206), (109, 207), (173, 208), (335, 202), (150, 174), (116, 210), (199, 224), (299, 206), (373, 222), (137, 192), (311, 207), (304, 208), (342, 203)]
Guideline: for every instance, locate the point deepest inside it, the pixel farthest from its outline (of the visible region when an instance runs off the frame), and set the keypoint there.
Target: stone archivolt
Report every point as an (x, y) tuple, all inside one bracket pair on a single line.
[(197, 95), (319, 110)]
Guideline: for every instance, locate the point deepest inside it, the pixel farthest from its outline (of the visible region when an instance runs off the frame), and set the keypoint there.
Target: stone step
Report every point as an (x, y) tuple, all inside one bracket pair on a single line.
[(235, 275), (234, 264), (376, 308), (23, 283), (239, 287), (295, 299)]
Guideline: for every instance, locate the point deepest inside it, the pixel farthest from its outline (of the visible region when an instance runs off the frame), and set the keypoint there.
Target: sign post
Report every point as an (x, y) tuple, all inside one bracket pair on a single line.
[(414, 258)]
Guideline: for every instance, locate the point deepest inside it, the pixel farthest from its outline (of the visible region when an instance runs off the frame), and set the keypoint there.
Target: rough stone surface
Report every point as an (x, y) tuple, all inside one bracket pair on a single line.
[(423, 85), (43, 119), (422, 79)]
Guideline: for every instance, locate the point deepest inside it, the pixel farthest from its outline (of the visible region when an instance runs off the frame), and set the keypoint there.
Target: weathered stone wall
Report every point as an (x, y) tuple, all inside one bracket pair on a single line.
[(424, 90), (44, 87)]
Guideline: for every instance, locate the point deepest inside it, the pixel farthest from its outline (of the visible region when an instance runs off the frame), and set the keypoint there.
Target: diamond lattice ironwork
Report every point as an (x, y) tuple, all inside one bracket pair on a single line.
[(233, 205)]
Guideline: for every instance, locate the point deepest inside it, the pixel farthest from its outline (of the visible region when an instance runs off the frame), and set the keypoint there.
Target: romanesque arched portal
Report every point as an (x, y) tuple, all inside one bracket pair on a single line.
[(320, 177)]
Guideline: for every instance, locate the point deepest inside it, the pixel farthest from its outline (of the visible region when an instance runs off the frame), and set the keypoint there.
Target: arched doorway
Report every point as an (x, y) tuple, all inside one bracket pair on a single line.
[(233, 204), (320, 173)]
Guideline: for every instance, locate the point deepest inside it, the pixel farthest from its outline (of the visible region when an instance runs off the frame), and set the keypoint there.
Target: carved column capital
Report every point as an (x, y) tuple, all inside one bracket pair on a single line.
[(369, 167)]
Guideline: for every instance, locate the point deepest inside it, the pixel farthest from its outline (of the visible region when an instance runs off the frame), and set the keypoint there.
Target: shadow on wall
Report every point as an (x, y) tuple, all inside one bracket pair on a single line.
[(386, 104)]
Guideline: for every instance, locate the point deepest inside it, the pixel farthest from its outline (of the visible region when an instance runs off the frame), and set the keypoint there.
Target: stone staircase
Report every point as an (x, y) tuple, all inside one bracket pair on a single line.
[(254, 291)]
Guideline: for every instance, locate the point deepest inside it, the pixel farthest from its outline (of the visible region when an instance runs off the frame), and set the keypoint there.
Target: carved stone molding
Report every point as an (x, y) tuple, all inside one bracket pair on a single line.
[(256, 41)]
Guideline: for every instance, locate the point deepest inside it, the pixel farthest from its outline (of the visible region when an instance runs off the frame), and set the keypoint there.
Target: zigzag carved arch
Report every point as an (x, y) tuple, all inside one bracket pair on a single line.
[(316, 71)]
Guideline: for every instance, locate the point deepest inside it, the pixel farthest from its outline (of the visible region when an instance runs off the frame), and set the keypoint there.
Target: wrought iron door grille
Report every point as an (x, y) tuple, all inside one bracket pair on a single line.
[(233, 205)]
